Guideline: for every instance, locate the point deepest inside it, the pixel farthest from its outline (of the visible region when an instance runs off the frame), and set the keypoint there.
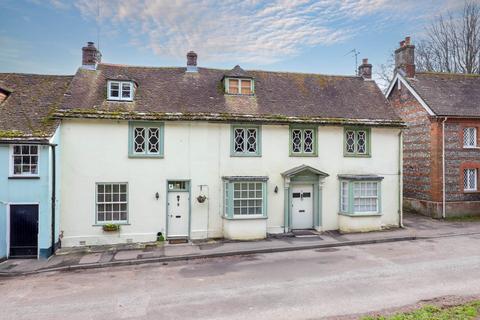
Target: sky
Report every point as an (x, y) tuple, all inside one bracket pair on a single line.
[(46, 36)]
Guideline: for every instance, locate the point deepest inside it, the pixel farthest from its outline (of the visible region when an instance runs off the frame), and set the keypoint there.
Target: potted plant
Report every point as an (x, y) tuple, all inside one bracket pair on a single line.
[(111, 227)]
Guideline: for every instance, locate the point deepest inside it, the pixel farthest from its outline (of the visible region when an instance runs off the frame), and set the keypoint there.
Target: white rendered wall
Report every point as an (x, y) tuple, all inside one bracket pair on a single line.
[(97, 151)]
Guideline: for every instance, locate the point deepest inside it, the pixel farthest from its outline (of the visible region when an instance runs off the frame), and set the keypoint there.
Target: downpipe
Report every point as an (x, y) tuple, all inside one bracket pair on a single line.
[(400, 179), (443, 168)]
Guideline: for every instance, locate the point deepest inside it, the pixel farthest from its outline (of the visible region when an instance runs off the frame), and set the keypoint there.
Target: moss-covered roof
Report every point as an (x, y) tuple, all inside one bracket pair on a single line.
[(32, 99), (282, 95)]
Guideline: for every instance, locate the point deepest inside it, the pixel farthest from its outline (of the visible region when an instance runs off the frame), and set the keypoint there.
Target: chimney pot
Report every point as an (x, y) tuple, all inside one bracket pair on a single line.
[(90, 56), (365, 69), (405, 58), (192, 62)]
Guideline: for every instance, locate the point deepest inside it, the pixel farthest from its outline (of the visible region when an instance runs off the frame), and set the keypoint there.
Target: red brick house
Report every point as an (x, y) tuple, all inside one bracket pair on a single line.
[(441, 157)]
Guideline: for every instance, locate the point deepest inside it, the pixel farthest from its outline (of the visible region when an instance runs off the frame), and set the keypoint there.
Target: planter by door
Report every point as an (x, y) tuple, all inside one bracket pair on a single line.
[(23, 231), (178, 209), (302, 207)]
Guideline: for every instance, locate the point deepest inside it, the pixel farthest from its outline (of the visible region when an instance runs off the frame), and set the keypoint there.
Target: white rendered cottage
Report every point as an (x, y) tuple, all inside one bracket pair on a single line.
[(205, 153)]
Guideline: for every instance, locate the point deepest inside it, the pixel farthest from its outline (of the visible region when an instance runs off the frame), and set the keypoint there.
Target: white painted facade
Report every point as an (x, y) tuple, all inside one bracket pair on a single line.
[(96, 151)]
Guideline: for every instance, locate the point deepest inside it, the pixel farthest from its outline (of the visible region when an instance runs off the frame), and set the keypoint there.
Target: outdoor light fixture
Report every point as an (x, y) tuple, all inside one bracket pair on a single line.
[(276, 189), (157, 196)]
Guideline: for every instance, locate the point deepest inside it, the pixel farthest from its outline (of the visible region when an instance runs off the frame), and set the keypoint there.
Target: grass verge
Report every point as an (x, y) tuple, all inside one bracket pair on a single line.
[(468, 311)]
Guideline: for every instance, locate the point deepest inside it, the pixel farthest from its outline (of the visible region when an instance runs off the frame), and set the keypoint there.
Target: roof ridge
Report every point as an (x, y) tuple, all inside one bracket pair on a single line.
[(456, 74), (227, 70), (36, 74)]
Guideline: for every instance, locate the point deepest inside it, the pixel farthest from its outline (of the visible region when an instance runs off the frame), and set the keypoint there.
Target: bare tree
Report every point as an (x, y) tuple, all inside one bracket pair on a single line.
[(452, 43)]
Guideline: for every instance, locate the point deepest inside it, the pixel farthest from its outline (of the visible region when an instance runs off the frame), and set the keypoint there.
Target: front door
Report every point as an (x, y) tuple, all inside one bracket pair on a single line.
[(178, 207), (302, 207), (23, 231)]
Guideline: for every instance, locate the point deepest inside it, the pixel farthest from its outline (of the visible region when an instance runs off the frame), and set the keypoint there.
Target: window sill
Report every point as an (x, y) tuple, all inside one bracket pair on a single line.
[(146, 156), (471, 191), (471, 148), (300, 155), (119, 100), (119, 223), (23, 177), (357, 155), (246, 155), (347, 214), (240, 94), (246, 218)]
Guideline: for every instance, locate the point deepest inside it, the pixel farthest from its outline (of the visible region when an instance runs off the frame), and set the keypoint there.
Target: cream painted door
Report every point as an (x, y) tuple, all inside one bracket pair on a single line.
[(302, 207), (178, 214)]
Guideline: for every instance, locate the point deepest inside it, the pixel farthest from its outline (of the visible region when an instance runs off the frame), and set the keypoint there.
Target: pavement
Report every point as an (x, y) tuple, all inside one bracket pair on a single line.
[(332, 283), (415, 227)]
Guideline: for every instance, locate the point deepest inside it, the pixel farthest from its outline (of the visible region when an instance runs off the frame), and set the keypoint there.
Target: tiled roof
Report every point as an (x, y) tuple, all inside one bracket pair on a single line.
[(280, 96), (238, 72), (30, 103), (449, 94)]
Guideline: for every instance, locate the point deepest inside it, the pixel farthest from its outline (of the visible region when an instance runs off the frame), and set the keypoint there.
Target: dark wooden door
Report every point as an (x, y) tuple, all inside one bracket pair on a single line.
[(23, 231)]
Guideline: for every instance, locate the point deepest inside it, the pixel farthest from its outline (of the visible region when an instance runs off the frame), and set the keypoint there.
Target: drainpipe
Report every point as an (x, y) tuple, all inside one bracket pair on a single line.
[(400, 179), (443, 167), (54, 199)]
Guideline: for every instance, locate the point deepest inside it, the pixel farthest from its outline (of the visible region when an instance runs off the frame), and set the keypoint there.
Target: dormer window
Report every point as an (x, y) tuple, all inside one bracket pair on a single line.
[(238, 81), (120, 90), (239, 86)]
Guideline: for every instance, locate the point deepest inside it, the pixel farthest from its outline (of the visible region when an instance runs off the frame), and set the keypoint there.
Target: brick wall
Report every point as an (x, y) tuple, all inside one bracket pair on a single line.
[(417, 146), (458, 158)]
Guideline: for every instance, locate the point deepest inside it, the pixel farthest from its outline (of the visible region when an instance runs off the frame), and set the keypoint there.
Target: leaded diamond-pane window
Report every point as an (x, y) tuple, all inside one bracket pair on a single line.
[(112, 202), (146, 139), (357, 142), (245, 141), (302, 141), (470, 179), (25, 160), (470, 137)]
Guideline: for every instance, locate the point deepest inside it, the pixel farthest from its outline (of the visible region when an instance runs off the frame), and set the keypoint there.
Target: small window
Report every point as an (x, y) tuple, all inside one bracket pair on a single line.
[(112, 202), (361, 197), (303, 141), (146, 139), (120, 90), (470, 180), (357, 142), (245, 199), (25, 160), (470, 137), (245, 141), (239, 86)]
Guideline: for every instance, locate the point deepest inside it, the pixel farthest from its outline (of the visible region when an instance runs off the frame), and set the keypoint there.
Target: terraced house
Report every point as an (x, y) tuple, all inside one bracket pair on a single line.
[(29, 154), (193, 153), (441, 150)]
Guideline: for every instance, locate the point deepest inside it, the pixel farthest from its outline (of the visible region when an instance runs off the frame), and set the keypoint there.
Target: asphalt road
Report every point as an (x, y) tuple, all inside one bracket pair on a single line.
[(289, 285)]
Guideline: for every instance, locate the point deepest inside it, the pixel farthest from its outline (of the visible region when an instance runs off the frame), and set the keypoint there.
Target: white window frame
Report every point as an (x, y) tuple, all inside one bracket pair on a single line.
[(97, 221), (468, 131), (347, 203), (147, 140), (120, 90), (239, 80), (468, 187), (12, 161)]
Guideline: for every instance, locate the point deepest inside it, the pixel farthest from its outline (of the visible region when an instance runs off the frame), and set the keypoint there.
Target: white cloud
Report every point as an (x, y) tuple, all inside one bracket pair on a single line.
[(244, 31), (258, 31)]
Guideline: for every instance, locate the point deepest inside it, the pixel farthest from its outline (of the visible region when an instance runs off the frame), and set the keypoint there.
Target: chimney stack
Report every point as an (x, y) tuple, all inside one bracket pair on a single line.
[(365, 69), (405, 58), (90, 56), (192, 62)]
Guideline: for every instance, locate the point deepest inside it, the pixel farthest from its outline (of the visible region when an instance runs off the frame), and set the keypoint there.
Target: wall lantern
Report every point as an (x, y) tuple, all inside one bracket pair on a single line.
[(276, 189), (157, 195)]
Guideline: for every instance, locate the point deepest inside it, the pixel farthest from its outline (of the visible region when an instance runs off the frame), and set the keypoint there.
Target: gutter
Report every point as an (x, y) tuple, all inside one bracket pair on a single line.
[(443, 167), (221, 117)]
